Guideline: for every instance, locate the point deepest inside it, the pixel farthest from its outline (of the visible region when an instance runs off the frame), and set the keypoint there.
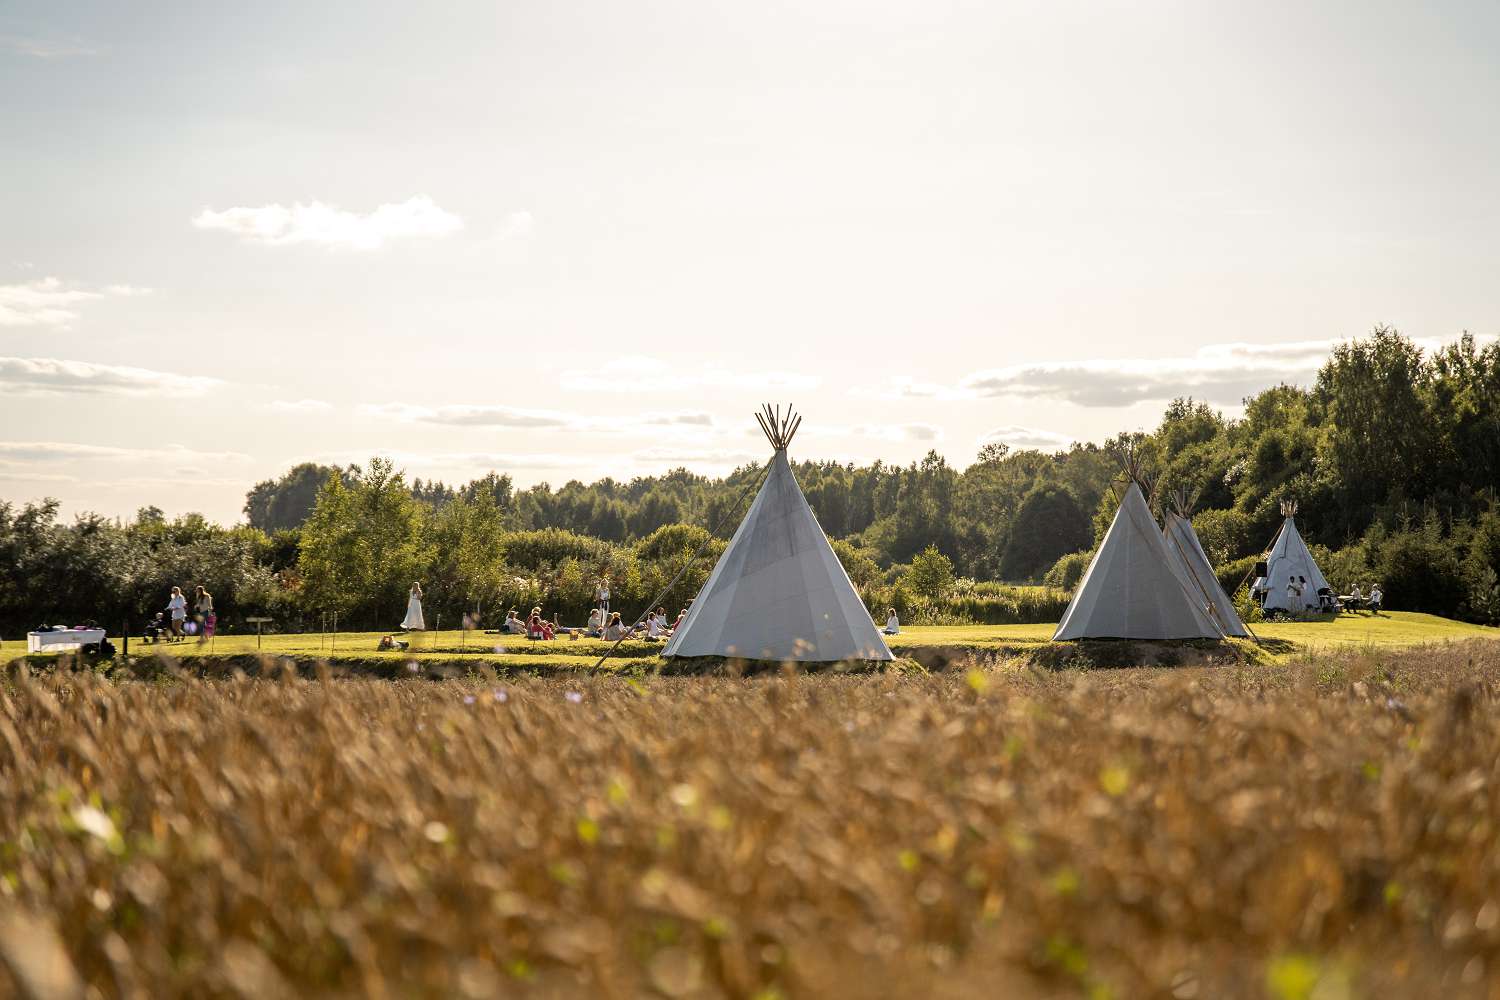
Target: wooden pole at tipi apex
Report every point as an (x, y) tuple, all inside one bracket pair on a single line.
[(765, 429)]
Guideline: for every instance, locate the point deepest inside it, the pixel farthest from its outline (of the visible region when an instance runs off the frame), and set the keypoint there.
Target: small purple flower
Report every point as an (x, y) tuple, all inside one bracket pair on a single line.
[(411, 666), (468, 699), (574, 696), (501, 695)]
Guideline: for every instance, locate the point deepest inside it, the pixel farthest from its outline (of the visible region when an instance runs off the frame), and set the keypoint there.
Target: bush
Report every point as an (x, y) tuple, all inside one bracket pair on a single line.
[(1234, 574), (1419, 571), (1067, 571)]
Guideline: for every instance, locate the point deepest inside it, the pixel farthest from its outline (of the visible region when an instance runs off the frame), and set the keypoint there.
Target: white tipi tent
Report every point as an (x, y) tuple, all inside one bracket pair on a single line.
[(1130, 590), (1194, 569), (779, 592), (1289, 563)]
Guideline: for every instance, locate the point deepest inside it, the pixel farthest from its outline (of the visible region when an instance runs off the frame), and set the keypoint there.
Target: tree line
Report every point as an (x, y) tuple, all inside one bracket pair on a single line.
[(1392, 455)]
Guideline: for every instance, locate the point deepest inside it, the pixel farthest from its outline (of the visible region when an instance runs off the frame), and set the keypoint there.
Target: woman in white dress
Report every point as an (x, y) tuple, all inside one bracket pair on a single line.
[(413, 621), (177, 609)]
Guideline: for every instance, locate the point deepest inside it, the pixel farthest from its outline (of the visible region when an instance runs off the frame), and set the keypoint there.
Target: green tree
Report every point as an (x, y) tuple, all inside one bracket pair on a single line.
[(1048, 526), (930, 577)]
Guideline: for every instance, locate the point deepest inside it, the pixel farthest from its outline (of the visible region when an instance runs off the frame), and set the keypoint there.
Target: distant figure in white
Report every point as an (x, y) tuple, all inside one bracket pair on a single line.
[(1375, 598), (892, 623), (601, 597), (177, 609), (596, 622), (413, 621)]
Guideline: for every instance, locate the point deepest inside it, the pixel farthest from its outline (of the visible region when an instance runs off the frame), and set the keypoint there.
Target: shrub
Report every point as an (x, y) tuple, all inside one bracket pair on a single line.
[(1067, 571)]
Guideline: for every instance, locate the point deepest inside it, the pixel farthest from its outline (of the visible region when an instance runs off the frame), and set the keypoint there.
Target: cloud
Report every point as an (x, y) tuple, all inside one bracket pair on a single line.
[(48, 48), (634, 373), (327, 225), (14, 452), (895, 432), (44, 302), (1217, 373), (905, 387), (300, 406), (515, 418), (50, 301), (50, 376), (1017, 436)]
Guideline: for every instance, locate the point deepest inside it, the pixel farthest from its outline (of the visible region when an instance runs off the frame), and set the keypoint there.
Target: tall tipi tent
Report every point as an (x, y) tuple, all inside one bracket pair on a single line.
[(779, 592), (1130, 590), (1290, 563), (1194, 569)]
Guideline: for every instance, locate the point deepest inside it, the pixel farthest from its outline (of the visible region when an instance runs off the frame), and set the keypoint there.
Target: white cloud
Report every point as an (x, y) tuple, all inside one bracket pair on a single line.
[(496, 415), (634, 373), (328, 225), (889, 432), (51, 376), (14, 452), (300, 406), (50, 301), (44, 302), (48, 48), (1027, 437), (906, 387)]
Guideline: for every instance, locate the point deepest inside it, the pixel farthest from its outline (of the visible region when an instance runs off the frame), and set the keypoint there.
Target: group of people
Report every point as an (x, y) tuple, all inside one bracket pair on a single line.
[(183, 617), (602, 624), (1355, 600)]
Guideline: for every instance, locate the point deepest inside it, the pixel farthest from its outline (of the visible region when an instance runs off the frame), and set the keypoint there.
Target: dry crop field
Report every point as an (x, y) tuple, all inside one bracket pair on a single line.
[(1320, 828)]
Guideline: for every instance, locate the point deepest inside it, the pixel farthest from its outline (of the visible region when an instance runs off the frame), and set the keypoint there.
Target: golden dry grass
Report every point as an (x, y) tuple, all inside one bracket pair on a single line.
[(1324, 828)]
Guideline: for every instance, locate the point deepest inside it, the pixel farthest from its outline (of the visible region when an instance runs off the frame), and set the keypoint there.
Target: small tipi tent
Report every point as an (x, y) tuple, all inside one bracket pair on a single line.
[(1130, 590), (779, 592), (1293, 581), (1194, 569)]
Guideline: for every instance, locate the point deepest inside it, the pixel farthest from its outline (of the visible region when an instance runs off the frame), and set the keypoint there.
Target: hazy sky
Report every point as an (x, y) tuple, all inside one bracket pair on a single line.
[(569, 239)]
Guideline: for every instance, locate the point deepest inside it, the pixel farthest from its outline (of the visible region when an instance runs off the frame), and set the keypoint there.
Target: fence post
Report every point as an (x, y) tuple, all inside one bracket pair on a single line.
[(125, 639)]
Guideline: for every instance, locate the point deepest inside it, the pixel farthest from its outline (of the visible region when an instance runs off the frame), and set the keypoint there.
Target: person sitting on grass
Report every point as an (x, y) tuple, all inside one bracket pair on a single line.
[(1376, 597), (615, 630), (656, 625), (538, 627), (892, 623), (513, 623), (157, 628), (678, 623), (595, 627)]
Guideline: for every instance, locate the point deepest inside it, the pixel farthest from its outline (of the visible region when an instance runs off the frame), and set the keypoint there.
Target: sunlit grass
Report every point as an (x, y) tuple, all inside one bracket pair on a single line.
[(1321, 827)]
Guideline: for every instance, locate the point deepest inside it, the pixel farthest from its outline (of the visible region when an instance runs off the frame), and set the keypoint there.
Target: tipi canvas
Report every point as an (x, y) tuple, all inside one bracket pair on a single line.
[(1292, 581), (1187, 551), (779, 592), (1130, 590)]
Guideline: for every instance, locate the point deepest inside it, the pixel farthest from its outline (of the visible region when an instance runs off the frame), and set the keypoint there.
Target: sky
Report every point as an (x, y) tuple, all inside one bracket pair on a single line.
[(566, 239)]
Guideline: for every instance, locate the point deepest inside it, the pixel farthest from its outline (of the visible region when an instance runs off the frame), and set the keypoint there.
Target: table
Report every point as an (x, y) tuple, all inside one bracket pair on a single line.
[(56, 642)]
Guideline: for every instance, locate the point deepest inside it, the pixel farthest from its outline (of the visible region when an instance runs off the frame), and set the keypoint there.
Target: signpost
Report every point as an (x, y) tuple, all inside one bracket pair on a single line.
[(258, 622)]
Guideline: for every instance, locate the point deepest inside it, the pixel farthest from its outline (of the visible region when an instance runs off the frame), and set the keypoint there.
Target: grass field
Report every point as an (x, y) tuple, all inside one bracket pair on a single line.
[(1323, 827), (1392, 630)]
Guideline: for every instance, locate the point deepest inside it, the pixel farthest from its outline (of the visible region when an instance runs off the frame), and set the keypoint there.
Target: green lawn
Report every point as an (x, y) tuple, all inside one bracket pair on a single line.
[(1393, 629)]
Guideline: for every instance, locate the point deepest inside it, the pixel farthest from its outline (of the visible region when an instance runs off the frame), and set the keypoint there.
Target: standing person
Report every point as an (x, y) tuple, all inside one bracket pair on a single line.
[(601, 597), (1376, 597), (203, 610), (414, 621), (177, 610)]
